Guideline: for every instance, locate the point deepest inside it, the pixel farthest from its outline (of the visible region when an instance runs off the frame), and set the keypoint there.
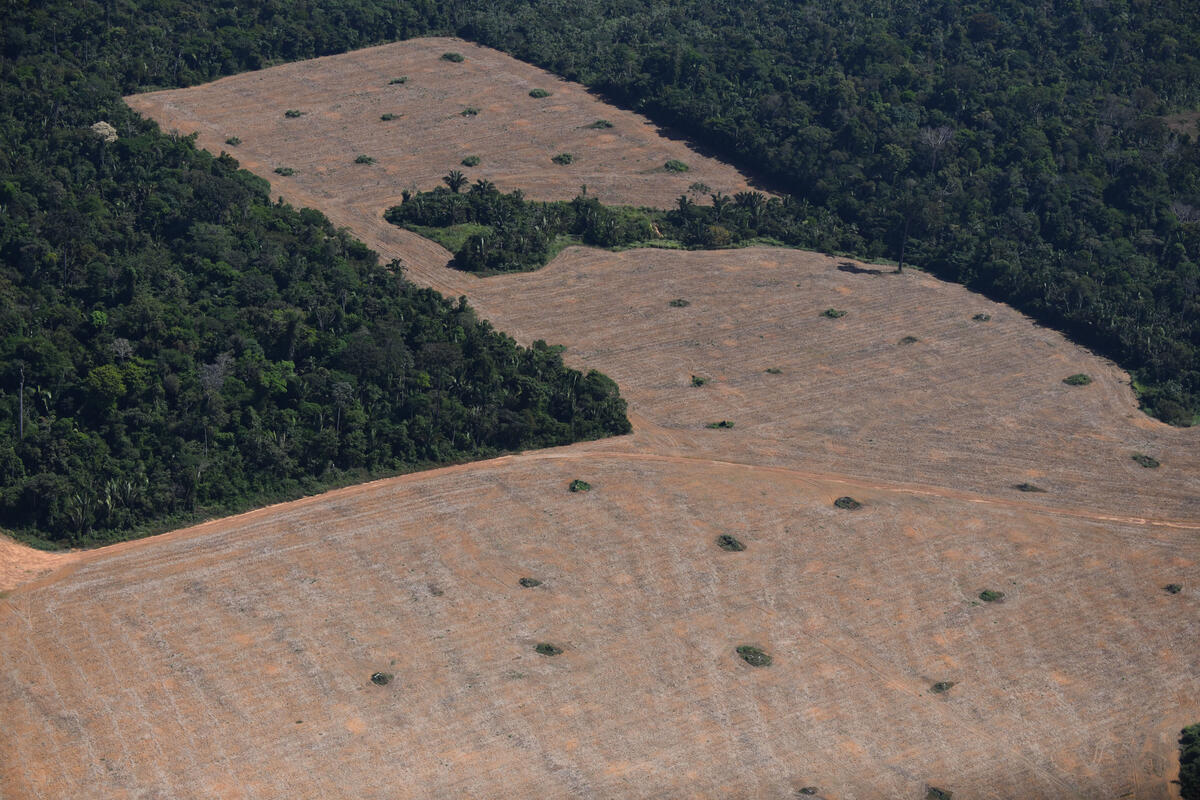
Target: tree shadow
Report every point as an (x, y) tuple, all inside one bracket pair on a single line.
[(846, 266)]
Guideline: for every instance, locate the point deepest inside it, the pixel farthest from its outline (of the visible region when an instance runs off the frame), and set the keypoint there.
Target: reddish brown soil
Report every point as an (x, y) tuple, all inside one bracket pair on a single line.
[(233, 659)]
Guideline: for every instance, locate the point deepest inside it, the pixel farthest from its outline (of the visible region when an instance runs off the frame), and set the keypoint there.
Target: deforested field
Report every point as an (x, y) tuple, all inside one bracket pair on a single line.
[(235, 659)]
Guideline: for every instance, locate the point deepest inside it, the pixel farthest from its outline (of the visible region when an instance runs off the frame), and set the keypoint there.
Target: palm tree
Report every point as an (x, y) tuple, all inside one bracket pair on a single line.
[(455, 180)]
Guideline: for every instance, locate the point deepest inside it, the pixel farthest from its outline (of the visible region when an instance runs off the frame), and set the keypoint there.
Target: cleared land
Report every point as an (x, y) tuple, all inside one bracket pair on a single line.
[(234, 659)]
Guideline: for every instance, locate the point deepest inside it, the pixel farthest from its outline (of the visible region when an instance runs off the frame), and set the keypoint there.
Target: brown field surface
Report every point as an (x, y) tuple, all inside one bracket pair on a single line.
[(234, 659)]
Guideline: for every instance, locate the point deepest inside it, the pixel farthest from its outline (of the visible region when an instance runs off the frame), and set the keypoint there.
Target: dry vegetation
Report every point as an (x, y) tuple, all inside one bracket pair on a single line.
[(236, 659)]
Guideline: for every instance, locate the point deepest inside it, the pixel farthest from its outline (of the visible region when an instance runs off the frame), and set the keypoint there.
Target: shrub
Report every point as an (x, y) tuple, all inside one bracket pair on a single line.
[(401, 79), (285, 171), (470, 111), (833, 313), (364, 160), (700, 188), (909, 340), (991, 595), (563, 159), (1028, 487), (538, 93), (675, 166), (679, 302), (547, 649), (1149, 462), (935, 793), (942, 687), (382, 678), (721, 424), (1078, 379), (847, 503), (982, 317), (233, 141), (388, 117), (457, 58), (1173, 588), (580, 486), (808, 790), (1189, 763), (471, 161), (727, 542), (529, 583), (698, 381), (599, 124), (774, 371), (293, 113), (753, 656)]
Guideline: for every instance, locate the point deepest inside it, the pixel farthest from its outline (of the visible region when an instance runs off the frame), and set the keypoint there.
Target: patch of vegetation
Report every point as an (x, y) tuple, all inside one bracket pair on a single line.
[(982, 317), (1028, 487), (453, 237), (991, 595), (700, 188), (529, 583), (753, 656), (563, 159), (292, 113), (720, 424), (773, 371), (909, 340), (397, 81), (599, 124), (935, 793), (469, 111), (547, 649), (1078, 379), (580, 486), (285, 171), (730, 543), (233, 141), (538, 93), (807, 790), (1173, 588), (471, 161), (456, 58), (941, 687), (833, 313), (679, 302), (1149, 462), (361, 159), (675, 165), (382, 678), (1189, 763), (388, 117), (847, 503), (698, 381)]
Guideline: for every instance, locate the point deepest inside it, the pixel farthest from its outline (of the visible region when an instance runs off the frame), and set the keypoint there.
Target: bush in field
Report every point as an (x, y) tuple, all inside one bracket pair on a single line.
[(456, 58), (538, 93)]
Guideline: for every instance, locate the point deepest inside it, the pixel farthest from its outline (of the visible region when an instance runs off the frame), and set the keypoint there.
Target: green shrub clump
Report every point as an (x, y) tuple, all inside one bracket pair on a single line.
[(562, 159), (1149, 462), (470, 111), (292, 113), (547, 649), (580, 486), (730, 543), (698, 381), (774, 371), (285, 171), (1078, 379), (991, 595), (471, 161), (233, 141), (364, 160), (388, 117), (982, 317), (599, 125), (847, 503), (941, 687), (720, 424), (679, 302), (382, 678), (833, 313), (753, 656), (1173, 588), (400, 80), (675, 166), (538, 93), (457, 58), (1028, 487), (529, 583)]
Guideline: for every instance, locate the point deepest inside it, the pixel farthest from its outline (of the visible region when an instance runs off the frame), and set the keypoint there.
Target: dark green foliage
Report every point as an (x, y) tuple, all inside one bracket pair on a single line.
[(580, 486), (675, 166), (1078, 379), (361, 159), (773, 371), (382, 678), (471, 161), (1173, 588), (982, 317), (679, 302), (599, 124), (563, 159), (293, 113), (935, 793), (833, 313), (388, 117), (1189, 763), (698, 381), (538, 93), (397, 81), (720, 424), (1149, 462), (547, 649), (730, 543), (529, 583), (285, 171), (753, 656), (806, 790), (941, 687), (991, 595), (909, 340), (233, 141), (456, 58), (1028, 487), (847, 503), (469, 111)]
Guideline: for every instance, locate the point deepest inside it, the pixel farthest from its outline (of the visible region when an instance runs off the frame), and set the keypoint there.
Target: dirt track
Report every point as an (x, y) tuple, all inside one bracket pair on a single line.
[(233, 659)]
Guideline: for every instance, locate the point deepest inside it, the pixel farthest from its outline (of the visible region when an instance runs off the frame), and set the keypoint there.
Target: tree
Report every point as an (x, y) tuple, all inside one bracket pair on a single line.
[(455, 180)]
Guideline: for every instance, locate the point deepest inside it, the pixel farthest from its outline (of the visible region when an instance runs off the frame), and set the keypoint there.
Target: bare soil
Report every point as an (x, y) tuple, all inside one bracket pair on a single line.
[(234, 659)]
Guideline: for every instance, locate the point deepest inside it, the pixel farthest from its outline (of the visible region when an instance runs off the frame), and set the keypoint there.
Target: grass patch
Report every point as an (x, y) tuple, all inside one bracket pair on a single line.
[(941, 687), (679, 302), (909, 340), (456, 58), (599, 125), (562, 159), (774, 371), (1149, 462), (730, 543), (382, 678), (529, 583), (469, 111), (580, 486), (753, 656), (991, 595), (388, 117), (397, 81), (1028, 487), (720, 424), (361, 159), (470, 161), (292, 113), (233, 141), (284, 171), (538, 93), (547, 649), (982, 317), (1078, 379), (698, 381), (1173, 588), (675, 165), (833, 313), (452, 237), (847, 503)]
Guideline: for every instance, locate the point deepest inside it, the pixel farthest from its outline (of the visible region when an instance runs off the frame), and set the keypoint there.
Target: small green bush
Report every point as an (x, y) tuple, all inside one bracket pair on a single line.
[(698, 381), (293, 113), (700, 188), (774, 371), (942, 687), (909, 340), (547, 649), (808, 790), (529, 583), (233, 141), (471, 161), (382, 678), (563, 159), (470, 111), (982, 317), (395, 81), (580, 486), (538, 93), (679, 302), (1078, 379), (833, 313), (388, 117), (1028, 487), (847, 503), (935, 793), (599, 124), (721, 424), (675, 166), (730, 543), (1149, 462), (1173, 588), (457, 58), (285, 171), (364, 160), (991, 595), (753, 656)]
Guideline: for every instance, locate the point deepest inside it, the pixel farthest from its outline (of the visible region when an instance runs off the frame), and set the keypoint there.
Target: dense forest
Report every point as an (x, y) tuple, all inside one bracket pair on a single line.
[(172, 342)]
